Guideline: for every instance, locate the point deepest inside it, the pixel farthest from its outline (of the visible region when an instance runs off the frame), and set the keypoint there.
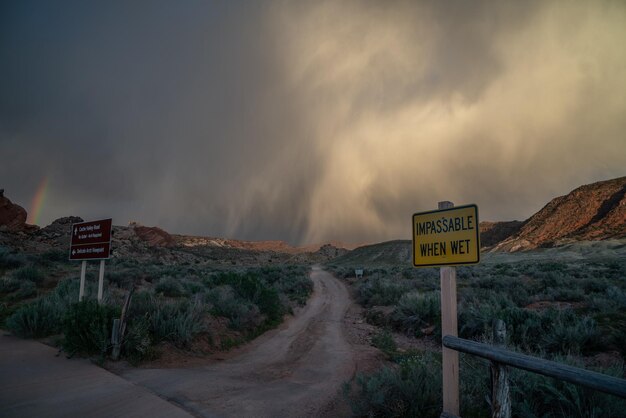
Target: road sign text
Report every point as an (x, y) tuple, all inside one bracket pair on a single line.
[(446, 237)]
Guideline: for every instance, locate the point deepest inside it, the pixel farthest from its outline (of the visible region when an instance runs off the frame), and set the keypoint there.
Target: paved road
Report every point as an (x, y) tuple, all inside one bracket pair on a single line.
[(292, 372), (36, 383)]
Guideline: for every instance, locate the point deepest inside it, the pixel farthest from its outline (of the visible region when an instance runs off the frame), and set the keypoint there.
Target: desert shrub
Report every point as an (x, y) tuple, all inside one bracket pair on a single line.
[(534, 395), (87, 327), (37, 319), (44, 316), (9, 260), (192, 287), (553, 330), (54, 255), (122, 279), (595, 285), (478, 309), (137, 345), (413, 389), (613, 299), (551, 266), (9, 284), (417, 310), (177, 322), (241, 313), (384, 342), (26, 290), (377, 291), (5, 312), (67, 290), (270, 305), (342, 272), (568, 294), (613, 326), (29, 273), (423, 279), (143, 303), (251, 288), (475, 385), (170, 287), (570, 334), (297, 287), (512, 287)]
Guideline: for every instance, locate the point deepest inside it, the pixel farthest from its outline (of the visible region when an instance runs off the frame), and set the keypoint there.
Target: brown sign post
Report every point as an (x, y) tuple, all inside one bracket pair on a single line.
[(91, 241)]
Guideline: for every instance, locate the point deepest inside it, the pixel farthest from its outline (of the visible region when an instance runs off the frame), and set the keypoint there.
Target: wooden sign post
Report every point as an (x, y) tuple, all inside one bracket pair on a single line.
[(445, 238), (449, 326)]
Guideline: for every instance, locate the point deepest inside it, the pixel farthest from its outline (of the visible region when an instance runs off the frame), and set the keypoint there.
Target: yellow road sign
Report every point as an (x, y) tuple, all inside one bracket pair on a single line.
[(446, 237)]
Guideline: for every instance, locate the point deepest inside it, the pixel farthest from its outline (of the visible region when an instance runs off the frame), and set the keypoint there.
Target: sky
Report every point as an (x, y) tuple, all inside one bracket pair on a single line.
[(306, 121)]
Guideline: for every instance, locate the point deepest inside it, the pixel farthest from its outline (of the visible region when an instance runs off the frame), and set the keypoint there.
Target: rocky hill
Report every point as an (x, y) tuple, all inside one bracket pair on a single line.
[(594, 212), (591, 212), (143, 243), (272, 245)]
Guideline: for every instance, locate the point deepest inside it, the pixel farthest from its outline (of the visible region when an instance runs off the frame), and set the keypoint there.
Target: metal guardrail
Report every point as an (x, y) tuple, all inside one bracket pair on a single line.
[(593, 380)]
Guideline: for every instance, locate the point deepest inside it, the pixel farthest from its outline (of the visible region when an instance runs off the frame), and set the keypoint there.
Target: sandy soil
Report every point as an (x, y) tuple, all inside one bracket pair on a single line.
[(295, 371)]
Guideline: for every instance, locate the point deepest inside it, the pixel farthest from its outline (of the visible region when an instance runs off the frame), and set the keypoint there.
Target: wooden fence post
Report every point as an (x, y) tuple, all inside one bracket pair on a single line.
[(115, 339), (119, 326), (500, 391)]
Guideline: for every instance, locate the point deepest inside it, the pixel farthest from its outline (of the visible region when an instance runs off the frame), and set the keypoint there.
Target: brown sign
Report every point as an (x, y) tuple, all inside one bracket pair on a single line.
[(90, 251), (91, 232), (91, 240)]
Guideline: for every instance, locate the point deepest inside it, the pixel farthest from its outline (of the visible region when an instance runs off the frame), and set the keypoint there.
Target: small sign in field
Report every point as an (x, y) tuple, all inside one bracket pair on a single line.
[(446, 237)]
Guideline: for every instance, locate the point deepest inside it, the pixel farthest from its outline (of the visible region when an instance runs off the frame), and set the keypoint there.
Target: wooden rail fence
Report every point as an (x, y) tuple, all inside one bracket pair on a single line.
[(501, 357)]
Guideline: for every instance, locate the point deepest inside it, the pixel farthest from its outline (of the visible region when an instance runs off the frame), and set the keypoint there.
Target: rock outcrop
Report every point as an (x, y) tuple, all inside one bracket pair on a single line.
[(592, 212), (61, 226), (329, 251), (12, 216), (153, 236)]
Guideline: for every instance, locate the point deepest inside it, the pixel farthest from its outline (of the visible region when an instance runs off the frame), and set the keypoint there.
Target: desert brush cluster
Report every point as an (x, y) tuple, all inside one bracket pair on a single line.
[(190, 308), (569, 311)]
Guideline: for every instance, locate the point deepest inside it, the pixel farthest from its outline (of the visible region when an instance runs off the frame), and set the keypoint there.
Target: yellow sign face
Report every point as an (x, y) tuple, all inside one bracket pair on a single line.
[(446, 237)]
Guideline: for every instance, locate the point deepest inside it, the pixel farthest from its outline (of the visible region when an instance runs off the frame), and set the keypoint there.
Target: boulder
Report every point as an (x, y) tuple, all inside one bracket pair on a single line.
[(12, 216)]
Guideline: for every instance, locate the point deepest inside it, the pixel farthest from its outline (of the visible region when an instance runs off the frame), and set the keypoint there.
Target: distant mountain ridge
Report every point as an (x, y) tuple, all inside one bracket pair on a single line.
[(268, 245), (593, 212)]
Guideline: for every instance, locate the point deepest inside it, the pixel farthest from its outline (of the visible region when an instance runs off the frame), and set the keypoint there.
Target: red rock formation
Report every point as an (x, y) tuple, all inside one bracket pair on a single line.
[(592, 212), (155, 237), (12, 216)]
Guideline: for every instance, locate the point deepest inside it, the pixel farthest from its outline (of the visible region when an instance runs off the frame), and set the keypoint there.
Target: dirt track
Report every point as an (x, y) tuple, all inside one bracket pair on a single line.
[(295, 371)]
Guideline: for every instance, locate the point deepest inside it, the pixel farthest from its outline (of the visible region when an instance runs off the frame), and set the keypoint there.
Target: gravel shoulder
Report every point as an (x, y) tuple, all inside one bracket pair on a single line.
[(37, 382)]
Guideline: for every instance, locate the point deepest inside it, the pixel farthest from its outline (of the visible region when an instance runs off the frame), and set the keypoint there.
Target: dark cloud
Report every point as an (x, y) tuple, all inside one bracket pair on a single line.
[(307, 121)]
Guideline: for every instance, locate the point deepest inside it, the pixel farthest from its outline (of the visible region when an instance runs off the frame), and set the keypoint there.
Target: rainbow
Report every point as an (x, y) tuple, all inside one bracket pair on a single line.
[(38, 201)]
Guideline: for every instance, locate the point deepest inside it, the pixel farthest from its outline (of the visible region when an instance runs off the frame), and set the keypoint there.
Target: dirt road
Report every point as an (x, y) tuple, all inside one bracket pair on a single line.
[(294, 371)]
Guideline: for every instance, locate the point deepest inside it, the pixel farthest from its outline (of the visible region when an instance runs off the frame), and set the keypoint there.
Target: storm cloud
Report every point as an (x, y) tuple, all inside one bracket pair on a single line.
[(307, 121)]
